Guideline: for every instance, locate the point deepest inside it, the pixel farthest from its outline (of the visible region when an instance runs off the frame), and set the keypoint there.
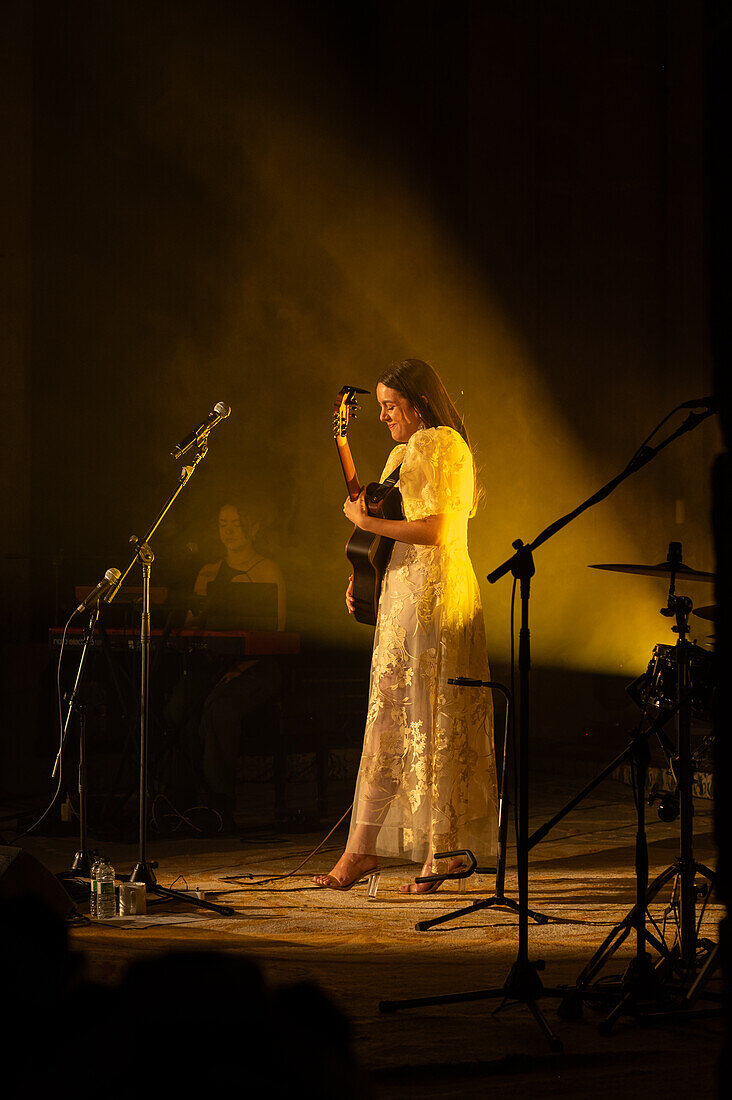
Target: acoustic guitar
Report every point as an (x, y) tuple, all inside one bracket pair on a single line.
[(368, 554)]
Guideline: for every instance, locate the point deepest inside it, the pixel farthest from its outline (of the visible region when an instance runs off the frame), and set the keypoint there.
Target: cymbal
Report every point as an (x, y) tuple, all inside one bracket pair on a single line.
[(663, 569), (710, 612)]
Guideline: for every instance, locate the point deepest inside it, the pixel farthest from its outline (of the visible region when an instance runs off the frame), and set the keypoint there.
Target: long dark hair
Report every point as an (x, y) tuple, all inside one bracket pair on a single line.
[(422, 386)]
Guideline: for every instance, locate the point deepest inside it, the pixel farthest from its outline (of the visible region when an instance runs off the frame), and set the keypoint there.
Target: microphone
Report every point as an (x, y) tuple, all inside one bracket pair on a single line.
[(111, 577), (701, 403), (219, 412)]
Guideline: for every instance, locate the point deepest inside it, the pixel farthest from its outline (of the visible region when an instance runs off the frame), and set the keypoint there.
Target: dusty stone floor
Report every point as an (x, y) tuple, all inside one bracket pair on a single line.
[(363, 950)]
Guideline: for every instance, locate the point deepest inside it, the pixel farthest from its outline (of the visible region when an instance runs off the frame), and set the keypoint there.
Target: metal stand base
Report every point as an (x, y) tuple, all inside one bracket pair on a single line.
[(493, 902), (80, 867), (522, 986), (646, 991), (145, 872)]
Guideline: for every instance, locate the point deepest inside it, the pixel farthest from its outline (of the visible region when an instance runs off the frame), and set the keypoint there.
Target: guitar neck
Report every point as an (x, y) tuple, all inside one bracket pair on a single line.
[(348, 466)]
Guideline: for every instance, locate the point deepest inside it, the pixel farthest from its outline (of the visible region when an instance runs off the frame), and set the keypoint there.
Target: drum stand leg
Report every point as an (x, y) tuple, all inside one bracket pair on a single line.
[(657, 991)]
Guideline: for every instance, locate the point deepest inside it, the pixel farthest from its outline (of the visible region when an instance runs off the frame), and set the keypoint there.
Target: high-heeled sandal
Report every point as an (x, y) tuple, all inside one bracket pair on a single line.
[(371, 877)]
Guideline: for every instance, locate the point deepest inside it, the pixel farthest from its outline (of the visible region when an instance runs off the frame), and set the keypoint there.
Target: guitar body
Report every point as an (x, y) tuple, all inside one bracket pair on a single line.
[(369, 554)]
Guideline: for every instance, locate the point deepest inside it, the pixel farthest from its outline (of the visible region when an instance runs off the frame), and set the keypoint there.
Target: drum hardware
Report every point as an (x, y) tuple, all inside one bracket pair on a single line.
[(710, 613), (648, 989), (656, 688), (669, 806), (673, 567)]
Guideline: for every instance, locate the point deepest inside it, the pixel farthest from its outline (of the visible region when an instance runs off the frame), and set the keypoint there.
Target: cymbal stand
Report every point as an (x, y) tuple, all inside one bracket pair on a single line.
[(647, 990), (144, 870), (498, 900)]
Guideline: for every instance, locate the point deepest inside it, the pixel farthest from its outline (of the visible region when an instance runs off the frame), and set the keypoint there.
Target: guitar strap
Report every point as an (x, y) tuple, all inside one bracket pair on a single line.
[(393, 476)]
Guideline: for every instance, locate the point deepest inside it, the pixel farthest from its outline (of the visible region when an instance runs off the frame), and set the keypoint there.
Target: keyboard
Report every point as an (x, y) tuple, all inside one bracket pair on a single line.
[(237, 643)]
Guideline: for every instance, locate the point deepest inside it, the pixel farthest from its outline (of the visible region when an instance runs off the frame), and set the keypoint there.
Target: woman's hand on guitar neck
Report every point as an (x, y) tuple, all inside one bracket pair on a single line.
[(349, 597)]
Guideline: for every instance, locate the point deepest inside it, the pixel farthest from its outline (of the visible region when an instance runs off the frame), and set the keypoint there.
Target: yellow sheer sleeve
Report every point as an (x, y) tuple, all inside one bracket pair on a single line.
[(437, 474)]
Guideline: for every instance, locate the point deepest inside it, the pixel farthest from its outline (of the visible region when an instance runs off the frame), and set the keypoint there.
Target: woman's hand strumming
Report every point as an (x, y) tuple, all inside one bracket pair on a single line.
[(349, 597)]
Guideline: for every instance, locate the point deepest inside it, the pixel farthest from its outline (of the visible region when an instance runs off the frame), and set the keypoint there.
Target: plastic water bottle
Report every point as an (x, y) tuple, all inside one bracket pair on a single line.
[(93, 887), (106, 897)]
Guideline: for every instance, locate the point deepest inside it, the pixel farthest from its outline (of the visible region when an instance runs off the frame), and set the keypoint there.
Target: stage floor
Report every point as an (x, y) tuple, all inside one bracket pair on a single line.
[(361, 951)]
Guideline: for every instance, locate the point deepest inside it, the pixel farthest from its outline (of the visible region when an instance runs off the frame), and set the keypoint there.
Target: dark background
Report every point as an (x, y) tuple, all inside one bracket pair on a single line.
[(259, 203)]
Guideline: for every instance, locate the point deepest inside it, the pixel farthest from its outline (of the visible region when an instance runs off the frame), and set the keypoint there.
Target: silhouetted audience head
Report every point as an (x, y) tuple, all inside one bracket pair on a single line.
[(188, 1021), (37, 966)]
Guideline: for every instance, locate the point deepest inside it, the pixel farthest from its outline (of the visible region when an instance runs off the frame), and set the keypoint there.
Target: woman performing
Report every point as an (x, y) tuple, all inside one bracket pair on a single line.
[(427, 779)]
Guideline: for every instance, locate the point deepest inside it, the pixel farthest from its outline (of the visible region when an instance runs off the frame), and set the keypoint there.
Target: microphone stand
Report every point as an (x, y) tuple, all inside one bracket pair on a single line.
[(523, 984), (144, 870), (81, 866)]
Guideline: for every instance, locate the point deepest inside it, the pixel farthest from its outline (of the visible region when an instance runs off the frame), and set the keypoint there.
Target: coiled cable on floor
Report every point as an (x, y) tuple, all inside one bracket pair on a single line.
[(288, 874)]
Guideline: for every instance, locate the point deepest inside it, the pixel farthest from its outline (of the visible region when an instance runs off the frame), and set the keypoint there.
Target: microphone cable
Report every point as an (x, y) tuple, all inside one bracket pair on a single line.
[(59, 702), (278, 878)]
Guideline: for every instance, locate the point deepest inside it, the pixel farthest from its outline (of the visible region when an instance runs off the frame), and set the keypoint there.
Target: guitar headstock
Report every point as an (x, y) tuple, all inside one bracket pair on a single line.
[(345, 408)]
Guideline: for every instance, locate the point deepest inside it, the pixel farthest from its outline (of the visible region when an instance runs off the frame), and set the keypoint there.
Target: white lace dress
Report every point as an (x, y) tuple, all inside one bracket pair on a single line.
[(427, 779)]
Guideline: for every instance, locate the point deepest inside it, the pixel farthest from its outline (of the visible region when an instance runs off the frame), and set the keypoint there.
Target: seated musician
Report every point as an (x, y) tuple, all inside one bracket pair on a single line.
[(227, 693), (243, 564)]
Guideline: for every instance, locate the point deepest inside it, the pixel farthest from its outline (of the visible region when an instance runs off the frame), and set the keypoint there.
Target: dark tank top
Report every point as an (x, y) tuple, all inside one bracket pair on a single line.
[(226, 574)]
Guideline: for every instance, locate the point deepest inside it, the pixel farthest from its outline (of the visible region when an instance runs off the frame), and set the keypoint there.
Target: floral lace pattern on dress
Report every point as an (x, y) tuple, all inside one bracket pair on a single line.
[(427, 780)]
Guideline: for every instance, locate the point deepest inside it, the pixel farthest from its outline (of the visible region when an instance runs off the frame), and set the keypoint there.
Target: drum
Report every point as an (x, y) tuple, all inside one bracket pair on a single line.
[(657, 686)]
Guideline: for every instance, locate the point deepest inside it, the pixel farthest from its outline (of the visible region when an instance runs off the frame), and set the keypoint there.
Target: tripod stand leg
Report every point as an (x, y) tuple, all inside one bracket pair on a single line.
[(605, 1026), (176, 895), (605, 951), (485, 903), (446, 999), (500, 902), (706, 972), (555, 1043)]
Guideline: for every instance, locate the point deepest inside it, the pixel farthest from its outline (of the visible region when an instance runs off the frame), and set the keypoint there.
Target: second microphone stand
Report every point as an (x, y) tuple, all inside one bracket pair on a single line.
[(81, 866)]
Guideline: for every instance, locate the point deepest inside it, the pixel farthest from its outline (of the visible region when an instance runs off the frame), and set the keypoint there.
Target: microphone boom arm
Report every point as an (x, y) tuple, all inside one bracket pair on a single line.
[(185, 475), (641, 459)]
